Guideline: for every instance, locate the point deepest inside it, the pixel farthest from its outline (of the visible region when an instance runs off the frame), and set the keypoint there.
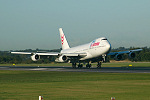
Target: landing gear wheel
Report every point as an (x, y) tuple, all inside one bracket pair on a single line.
[(99, 64), (80, 65), (73, 65), (88, 66)]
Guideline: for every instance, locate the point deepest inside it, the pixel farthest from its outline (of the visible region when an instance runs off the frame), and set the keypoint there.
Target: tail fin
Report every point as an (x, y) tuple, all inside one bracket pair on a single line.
[(64, 42)]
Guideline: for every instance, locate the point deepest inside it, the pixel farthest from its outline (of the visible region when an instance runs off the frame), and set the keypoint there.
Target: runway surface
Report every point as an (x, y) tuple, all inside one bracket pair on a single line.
[(70, 69)]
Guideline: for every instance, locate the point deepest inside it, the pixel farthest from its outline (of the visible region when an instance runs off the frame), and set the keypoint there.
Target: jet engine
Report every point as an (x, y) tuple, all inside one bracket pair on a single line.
[(63, 58), (132, 55), (35, 57), (118, 57)]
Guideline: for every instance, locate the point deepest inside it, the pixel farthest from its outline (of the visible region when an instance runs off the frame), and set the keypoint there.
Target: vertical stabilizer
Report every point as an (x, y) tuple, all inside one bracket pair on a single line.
[(64, 42)]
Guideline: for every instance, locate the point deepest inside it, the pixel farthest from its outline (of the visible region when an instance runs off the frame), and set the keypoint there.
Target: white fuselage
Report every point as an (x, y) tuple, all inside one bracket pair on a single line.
[(93, 49)]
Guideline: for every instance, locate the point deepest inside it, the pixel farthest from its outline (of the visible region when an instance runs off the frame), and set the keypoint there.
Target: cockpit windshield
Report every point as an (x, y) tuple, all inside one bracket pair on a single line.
[(104, 39)]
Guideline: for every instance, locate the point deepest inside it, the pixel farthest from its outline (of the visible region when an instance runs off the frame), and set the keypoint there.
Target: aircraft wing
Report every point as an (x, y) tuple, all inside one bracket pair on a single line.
[(123, 52), (52, 54), (43, 53)]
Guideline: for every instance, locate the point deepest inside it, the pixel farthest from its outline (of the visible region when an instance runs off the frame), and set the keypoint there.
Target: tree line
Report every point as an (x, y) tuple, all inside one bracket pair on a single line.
[(6, 57)]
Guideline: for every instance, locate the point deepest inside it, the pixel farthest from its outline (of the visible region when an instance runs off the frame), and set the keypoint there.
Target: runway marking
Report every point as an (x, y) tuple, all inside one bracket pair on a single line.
[(39, 69)]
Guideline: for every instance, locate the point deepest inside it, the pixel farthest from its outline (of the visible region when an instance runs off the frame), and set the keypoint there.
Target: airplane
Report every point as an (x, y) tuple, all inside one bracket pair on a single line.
[(95, 51)]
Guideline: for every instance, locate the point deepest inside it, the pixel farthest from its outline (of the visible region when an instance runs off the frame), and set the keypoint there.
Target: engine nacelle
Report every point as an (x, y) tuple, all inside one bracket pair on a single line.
[(118, 57), (62, 58), (132, 55), (35, 57)]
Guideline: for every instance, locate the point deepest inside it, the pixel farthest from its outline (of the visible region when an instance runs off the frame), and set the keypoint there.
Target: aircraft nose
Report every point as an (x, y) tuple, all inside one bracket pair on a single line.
[(108, 46)]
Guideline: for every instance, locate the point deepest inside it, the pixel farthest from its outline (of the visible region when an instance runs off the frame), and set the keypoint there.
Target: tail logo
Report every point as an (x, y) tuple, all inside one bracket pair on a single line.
[(62, 39)]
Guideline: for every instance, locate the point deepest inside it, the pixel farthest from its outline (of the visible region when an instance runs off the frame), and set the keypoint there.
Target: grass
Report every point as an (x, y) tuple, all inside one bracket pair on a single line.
[(28, 85)]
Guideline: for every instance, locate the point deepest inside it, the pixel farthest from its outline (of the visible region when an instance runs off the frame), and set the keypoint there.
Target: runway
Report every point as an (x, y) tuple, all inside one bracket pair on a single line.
[(70, 69)]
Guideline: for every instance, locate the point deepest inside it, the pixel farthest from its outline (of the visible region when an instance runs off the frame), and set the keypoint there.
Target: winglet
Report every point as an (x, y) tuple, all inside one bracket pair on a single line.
[(64, 42)]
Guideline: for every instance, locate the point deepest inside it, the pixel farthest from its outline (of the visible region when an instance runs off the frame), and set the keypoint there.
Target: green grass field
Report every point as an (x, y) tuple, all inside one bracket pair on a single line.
[(28, 85)]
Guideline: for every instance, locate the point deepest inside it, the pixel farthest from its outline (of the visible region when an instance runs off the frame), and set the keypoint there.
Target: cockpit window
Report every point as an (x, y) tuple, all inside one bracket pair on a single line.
[(104, 39)]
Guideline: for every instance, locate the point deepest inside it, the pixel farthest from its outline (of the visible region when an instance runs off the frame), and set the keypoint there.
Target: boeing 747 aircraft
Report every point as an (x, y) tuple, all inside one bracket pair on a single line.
[(95, 51)]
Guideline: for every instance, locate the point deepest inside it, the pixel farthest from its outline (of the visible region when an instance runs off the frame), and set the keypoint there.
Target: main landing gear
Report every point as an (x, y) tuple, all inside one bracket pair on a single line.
[(74, 65), (88, 65), (99, 64), (79, 66)]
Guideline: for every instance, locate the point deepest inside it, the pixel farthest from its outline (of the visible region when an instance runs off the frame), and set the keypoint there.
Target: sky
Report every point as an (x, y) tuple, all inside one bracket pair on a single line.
[(31, 24)]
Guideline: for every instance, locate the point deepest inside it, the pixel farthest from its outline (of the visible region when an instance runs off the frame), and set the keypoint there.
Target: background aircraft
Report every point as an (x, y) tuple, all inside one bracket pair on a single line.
[(95, 51)]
